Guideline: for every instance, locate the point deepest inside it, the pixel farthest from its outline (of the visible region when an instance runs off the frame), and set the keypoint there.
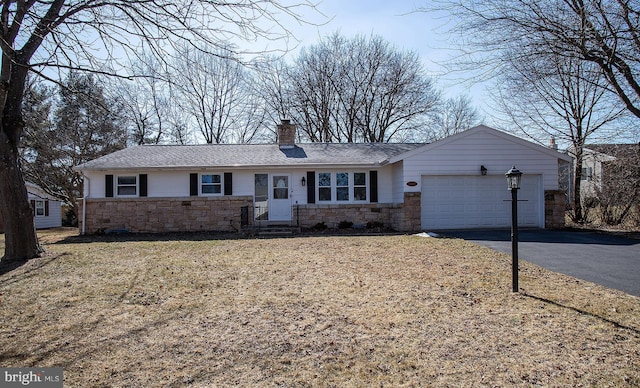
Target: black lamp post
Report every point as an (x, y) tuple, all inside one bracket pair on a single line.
[(513, 183)]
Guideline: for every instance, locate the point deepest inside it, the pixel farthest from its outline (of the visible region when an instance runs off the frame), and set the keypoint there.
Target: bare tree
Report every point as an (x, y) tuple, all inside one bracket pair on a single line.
[(313, 96), (454, 115), (605, 33), (270, 84), (146, 99), (561, 98), (90, 35), (360, 90), (619, 192), (215, 90)]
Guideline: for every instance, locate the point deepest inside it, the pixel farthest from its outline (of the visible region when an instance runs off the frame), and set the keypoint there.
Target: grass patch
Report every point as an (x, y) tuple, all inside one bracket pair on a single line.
[(310, 311)]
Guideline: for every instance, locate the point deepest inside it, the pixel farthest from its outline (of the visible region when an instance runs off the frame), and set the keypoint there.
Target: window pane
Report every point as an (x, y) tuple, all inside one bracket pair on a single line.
[(324, 179), (280, 193), (342, 179), (126, 190), (359, 179), (207, 179), (360, 193), (342, 193), (280, 182), (211, 189), (39, 208), (324, 194), (126, 180)]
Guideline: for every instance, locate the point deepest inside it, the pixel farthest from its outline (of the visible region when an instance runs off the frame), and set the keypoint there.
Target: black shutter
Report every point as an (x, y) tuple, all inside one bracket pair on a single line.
[(311, 187), (108, 186), (46, 208), (228, 183), (33, 206), (373, 186), (193, 184), (143, 185)]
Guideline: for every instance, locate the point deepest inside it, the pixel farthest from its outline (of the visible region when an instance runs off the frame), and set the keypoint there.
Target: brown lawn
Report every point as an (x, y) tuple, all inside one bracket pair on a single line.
[(309, 311)]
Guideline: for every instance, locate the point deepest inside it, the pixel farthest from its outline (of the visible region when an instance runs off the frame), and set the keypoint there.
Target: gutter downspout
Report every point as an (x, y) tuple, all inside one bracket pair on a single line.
[(86, 189)]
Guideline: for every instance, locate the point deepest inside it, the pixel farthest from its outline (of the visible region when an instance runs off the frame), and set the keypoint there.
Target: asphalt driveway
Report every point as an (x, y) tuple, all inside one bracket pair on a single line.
[(606, 259)]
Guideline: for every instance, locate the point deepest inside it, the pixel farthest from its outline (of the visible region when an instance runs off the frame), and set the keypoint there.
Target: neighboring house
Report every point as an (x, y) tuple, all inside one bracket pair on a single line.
[(46, 209), (596, 160), (454, 183)]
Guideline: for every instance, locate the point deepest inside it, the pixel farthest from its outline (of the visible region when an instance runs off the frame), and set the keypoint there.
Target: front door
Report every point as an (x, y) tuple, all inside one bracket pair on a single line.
[(280, 197)]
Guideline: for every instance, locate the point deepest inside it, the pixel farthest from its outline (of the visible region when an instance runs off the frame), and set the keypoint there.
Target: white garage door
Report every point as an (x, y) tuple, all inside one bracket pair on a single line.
[(465, 202)]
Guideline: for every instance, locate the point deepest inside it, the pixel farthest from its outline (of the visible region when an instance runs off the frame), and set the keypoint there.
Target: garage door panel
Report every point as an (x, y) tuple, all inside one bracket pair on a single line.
[(458, 202)]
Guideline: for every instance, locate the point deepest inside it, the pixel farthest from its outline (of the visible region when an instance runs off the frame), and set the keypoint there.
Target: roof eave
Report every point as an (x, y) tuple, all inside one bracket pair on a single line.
[(236, 166)]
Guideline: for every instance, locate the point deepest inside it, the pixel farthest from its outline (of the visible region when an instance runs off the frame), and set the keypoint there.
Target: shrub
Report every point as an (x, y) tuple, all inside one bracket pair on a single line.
[(375, 225), (319, 226), (345, 224)]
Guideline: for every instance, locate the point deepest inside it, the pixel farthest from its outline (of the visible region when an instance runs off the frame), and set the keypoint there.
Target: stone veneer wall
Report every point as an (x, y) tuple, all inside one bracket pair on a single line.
[(164, 214), (223, 213), (408, 218), (555, 206), (401, 217), (332, 215)]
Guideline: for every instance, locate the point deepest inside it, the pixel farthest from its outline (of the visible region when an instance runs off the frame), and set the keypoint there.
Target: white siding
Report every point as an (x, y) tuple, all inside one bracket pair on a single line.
[(385, 185), (166, 184), (466, 154), (176, 183), (54, 219), (398, 182)]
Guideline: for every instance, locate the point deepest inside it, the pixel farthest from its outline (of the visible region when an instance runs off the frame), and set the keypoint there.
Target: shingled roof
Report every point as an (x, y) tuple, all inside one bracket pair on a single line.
[(248, 155)]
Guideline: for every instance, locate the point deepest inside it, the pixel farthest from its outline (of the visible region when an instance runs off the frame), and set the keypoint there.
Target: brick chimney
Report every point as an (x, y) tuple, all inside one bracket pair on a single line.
[(552, 144), (286, 134)]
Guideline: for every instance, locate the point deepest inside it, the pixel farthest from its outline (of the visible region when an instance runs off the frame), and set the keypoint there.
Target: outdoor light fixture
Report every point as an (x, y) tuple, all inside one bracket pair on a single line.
[(483, 170), (513, 183), (304, 181), (513, 178)]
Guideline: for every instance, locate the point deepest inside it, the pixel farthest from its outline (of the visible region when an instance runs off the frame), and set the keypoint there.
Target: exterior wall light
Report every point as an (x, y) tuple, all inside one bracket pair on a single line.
[(304, 181), (483, 170)]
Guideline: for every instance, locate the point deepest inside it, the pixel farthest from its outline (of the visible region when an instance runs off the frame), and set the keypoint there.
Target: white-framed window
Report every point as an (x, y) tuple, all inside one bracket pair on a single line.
[(127, 185), (587, 174), (342, 186), (39, 208), (359, 186), (211, 184), (324, 187)]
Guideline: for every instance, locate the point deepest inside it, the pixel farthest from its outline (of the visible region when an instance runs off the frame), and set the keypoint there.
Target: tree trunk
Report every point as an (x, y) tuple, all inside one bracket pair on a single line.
[(21, 242), (578, 216)]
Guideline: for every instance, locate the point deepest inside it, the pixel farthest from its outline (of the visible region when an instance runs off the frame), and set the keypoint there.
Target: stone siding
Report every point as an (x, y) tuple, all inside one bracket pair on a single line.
[(408, 217), (555, 205), (155, 215), (192, 214), (332, 215), (401, 217)]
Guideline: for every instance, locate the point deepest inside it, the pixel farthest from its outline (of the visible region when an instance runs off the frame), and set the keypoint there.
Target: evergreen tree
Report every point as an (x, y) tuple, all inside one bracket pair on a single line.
[(85, 125)]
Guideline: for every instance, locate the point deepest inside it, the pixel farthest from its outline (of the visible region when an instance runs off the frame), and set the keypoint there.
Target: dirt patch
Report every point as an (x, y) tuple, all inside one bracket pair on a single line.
[(310, 311)]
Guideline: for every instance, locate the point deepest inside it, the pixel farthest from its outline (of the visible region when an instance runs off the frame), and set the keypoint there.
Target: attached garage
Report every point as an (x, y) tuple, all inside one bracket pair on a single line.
[(459, 182), (476, 201)]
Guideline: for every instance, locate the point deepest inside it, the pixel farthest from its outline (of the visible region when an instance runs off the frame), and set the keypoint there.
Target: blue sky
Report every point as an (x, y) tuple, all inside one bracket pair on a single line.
[(396, 22)]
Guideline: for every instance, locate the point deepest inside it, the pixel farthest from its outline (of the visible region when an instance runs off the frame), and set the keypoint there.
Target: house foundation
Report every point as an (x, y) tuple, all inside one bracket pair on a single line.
[(155, 215)]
